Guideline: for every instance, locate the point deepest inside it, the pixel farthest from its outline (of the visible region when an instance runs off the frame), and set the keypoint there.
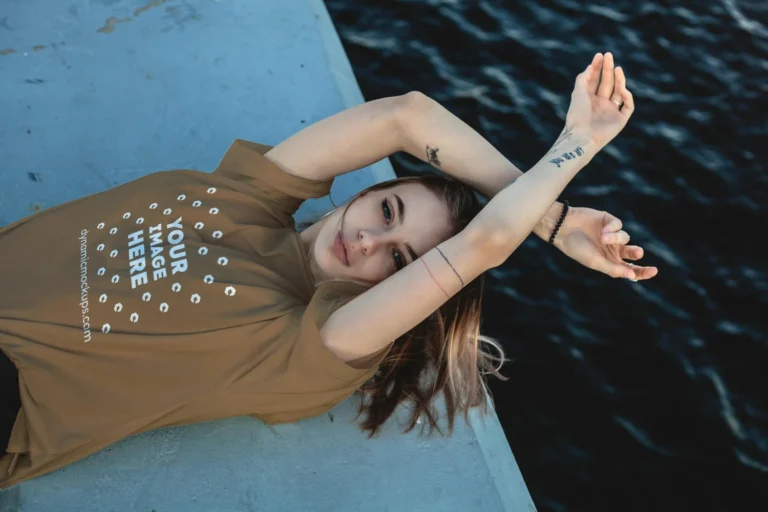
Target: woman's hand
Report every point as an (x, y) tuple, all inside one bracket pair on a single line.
[(601, 105), (595, 239)]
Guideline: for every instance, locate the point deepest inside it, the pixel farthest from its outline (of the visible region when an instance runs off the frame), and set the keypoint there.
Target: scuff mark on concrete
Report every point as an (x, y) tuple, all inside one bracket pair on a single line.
[(7, 51), (150, 5), (35, 176), (109, 25), (38, 47), (35, 81), (4, 24)]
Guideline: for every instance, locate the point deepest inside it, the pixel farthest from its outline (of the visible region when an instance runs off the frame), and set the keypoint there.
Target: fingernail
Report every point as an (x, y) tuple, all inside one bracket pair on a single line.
[(631, 276)]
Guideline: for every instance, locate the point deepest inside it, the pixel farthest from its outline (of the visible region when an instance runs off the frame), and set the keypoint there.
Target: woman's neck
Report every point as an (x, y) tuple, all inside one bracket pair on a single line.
[(308, 239)]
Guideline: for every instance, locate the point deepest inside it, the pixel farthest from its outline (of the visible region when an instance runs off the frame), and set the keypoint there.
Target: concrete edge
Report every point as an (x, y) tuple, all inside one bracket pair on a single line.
[(501, 462), (345, 79)]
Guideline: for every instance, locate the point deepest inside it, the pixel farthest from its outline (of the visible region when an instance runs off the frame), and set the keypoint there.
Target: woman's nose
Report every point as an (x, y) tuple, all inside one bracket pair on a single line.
[(370, 240)]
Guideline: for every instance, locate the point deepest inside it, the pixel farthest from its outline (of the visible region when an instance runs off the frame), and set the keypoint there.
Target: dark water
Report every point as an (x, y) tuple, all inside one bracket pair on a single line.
[(623, 396)]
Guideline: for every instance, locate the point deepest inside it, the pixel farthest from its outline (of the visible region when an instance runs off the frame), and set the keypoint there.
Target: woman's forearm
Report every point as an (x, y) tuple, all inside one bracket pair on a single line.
[(435, 135), (510, 216)]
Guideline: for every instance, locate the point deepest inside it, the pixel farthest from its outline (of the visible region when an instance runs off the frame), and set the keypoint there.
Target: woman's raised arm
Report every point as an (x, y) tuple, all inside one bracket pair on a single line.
[(366, 133), (371, 321)]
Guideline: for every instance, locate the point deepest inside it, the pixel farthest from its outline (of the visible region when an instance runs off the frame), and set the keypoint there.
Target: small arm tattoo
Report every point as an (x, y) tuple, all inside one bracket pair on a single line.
[(568, 155), (432, 156)]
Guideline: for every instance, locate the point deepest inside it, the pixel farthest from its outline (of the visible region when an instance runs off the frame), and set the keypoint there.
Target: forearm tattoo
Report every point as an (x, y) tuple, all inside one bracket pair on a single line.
[(432, 156), (568, 155)]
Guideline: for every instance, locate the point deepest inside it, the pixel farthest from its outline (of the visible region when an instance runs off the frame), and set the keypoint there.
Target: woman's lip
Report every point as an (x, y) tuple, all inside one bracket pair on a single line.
[(344, 246), (340, 249)]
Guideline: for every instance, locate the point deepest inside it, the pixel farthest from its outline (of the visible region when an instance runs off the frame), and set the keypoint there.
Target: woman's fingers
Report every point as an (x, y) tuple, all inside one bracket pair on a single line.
[(630, 252), (618, 270), (594, 79), (605, 89), (642, 273), (587, 80), (613, 223), (619, 237), (623, 92)]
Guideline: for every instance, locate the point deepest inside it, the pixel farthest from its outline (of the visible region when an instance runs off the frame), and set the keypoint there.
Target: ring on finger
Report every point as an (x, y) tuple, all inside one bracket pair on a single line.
[(617, 102), (630, 265)]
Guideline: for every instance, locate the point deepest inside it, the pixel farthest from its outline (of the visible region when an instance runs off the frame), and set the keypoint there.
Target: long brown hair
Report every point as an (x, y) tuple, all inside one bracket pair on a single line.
[(444, 353)]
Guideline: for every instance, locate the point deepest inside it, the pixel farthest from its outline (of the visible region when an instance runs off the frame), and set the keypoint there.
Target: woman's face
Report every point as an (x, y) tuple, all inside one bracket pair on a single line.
[(381, 233)]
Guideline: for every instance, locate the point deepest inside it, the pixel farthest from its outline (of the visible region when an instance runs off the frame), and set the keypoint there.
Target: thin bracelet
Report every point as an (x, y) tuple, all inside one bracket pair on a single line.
[(433, 277), (559, 223), (449, 263)]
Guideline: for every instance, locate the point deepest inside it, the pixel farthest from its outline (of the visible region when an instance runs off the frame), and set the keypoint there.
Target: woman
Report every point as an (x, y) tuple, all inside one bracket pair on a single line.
[(186, 296)]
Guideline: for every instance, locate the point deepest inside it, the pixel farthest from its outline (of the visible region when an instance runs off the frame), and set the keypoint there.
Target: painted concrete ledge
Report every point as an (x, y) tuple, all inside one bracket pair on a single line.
[(97, 93)]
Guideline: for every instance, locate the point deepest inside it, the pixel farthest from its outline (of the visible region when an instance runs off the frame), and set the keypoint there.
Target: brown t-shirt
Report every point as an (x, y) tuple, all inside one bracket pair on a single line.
[(179, 297)]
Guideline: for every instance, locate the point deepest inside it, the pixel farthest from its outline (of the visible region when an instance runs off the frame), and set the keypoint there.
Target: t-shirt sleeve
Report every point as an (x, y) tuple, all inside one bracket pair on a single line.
[(245, 162), (309, 350)]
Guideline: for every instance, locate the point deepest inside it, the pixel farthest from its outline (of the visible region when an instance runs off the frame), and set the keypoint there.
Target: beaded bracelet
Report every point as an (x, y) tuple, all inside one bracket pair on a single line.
[(559, 223)]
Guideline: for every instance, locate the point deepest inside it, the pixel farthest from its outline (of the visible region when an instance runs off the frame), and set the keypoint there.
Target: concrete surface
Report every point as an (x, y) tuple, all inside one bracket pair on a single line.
[(97, 93)]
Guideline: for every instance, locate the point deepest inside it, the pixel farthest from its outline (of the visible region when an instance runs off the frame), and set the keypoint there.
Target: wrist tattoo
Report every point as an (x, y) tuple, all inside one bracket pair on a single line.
[(432, 156), (568, 155)]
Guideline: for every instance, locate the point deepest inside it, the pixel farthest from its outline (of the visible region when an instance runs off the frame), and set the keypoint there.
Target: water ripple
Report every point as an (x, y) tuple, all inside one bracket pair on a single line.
[(727, 411), (639, 435)]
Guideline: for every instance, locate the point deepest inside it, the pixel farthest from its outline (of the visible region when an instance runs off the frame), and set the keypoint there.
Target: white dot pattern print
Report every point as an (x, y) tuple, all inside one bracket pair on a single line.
[(165, 231)]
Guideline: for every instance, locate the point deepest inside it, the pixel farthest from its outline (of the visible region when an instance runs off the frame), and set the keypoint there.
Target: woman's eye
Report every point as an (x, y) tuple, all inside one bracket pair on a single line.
[(399, 264), (387, 211)]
